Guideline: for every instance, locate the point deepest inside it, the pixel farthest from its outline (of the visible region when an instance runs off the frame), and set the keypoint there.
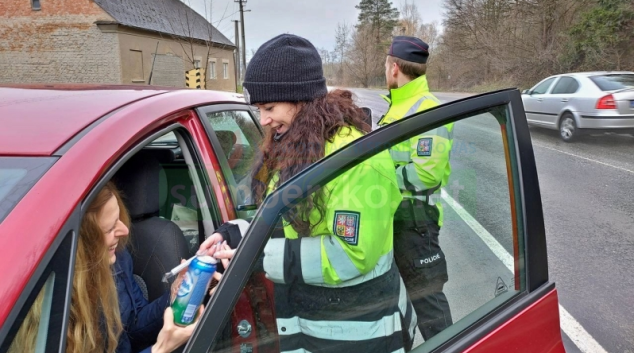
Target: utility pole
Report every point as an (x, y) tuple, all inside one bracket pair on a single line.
[(236, 57), (244, 44)]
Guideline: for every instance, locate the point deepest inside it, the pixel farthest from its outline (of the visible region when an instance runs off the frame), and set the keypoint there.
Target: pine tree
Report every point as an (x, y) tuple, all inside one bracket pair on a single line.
[(380, 15)]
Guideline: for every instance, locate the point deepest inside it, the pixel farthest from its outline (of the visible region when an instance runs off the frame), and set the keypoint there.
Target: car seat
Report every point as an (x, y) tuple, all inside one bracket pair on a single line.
[(157, 245)]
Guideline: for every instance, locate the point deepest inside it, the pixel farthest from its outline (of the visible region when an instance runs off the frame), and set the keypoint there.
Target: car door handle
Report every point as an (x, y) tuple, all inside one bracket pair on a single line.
[(540, 99), (564, 100)]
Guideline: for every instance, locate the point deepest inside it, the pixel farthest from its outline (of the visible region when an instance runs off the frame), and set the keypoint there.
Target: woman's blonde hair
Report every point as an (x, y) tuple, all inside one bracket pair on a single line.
[(95, 321)]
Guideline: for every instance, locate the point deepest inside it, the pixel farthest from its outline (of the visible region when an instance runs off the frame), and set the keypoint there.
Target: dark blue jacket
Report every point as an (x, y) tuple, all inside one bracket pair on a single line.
[(141, 320)]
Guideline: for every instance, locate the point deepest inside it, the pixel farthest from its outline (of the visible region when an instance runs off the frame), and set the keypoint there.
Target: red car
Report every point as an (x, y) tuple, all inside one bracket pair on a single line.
[(183, 157)]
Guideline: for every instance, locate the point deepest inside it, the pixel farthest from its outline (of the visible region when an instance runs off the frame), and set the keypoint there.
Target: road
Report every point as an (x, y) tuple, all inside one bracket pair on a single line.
[(587, 190)]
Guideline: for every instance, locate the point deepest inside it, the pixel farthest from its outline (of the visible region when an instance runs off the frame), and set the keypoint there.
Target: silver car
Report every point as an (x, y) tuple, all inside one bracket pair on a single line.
[(575, 103)]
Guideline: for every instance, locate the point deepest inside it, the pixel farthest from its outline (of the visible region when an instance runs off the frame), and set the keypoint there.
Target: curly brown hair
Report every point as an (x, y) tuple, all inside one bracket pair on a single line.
[(303, 144)]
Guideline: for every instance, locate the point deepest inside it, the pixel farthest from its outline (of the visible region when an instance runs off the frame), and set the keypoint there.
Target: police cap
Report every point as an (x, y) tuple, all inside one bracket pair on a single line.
[(409, 49)]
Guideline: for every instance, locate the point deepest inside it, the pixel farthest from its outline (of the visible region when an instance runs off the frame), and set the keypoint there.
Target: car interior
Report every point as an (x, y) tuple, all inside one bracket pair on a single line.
[(160, 195)]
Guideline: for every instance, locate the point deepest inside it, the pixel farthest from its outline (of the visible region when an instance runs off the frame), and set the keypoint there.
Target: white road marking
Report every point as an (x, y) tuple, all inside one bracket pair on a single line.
[(586, 158), (584, 341)]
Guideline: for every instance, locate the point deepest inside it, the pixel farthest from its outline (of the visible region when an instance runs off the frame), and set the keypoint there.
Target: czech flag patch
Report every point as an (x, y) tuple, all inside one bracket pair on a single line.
[(346, 226), (424, 147)]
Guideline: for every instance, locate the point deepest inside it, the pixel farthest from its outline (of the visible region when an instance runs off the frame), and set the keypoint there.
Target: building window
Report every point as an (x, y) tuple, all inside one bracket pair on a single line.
[(35, 5), (225, 70), (212, 69), (136, 66), (196, 63)]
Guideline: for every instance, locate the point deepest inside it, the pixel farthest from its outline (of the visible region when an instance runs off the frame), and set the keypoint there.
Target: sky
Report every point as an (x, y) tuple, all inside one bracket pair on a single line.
[(315, 20)]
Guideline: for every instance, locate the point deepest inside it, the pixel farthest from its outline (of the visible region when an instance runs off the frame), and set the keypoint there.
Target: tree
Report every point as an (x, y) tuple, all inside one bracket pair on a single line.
[(410, 21), (191, 31), (602, 39), (342, 39), (362, 58), (380, 16)]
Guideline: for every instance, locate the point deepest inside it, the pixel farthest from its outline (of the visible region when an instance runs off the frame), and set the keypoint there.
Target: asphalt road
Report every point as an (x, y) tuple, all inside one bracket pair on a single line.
[(587, 190)]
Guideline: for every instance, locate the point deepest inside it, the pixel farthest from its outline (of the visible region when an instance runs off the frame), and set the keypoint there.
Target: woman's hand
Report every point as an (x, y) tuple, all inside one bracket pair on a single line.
[(177, 283), (209, 246), (224, 253), (172, 336)]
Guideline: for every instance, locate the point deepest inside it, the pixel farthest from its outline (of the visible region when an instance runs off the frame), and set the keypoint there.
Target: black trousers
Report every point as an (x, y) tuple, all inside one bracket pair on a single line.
[(423, 268)]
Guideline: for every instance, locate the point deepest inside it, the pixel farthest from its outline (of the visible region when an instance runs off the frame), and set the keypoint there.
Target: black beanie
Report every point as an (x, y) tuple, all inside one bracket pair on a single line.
[(287, 68)]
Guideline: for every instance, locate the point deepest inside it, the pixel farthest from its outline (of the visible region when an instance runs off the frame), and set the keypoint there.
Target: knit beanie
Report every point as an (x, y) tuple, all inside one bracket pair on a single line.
[(287, 68)]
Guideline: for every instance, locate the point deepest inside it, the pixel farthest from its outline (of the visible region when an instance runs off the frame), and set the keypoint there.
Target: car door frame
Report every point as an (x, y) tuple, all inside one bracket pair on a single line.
[(223, 160), (536, 279), (60, 259)]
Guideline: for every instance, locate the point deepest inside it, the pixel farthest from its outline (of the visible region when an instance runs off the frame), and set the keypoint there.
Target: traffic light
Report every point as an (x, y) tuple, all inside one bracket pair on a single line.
[(193, 79)]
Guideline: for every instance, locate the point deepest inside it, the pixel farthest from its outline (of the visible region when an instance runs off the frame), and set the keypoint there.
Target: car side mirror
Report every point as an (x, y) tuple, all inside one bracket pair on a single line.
[(526, 92), (368, 114)]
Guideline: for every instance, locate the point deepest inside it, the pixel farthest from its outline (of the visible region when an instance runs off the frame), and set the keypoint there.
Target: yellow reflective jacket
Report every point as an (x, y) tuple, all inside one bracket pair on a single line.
[(422, 162), (353, 243)]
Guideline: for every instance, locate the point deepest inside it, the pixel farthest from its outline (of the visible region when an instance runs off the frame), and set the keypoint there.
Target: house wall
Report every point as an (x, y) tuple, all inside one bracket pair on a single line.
[(58, 43), (174, 57)]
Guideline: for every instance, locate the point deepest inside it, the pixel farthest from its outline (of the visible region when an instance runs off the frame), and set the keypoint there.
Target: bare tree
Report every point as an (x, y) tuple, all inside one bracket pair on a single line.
[(410, 21), (363, 59), (342, 40), (194, 33)]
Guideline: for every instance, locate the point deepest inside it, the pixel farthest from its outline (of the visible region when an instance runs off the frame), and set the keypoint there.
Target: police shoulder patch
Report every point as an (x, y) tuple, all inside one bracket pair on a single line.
[(346, 226), (424, 147)]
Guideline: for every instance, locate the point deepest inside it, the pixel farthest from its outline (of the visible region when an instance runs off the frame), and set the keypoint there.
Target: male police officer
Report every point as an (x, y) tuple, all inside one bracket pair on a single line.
[(422, 167)]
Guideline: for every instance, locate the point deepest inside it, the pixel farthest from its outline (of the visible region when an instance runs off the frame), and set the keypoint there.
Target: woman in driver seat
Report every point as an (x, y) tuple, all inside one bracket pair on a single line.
[(108, 311)]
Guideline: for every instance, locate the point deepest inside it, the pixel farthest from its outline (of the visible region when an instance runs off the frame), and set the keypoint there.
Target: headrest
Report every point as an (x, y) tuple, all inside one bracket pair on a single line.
[(227, 141), (143, 184)]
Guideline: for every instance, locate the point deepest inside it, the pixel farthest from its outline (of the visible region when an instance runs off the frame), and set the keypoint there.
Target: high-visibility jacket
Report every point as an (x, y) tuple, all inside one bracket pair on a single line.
[(353, 243), (339, 288), (422, 162)]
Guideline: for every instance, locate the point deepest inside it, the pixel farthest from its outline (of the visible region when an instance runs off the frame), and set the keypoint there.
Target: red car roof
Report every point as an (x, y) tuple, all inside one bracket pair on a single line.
[(39, 119)]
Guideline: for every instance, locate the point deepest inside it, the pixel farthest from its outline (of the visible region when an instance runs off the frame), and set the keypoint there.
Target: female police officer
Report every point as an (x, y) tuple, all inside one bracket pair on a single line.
[(336, 285)]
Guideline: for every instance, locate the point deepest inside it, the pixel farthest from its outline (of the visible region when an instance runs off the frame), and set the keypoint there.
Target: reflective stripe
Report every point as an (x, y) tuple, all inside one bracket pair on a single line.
[(435, 99), (340, 330), (340, 262), (414, 108), (412, 177), (403, 303), (310, 255), (443, 132), (274, 260), (400, 156), (382, 266)]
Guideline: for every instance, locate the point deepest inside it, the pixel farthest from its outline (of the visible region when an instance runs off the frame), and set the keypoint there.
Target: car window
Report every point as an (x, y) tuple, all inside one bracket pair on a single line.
[(542, 88), (613, 82), (566, 85), (17, 176), (482, 249), (41, 308), (239, 136), (31, 336)]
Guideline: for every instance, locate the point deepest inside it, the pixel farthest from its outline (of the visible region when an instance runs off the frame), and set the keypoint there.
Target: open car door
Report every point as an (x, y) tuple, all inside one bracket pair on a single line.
[(493, 234)]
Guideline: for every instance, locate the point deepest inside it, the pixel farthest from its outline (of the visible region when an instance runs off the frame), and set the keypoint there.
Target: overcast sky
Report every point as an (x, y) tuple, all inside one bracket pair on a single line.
[(316, 20)]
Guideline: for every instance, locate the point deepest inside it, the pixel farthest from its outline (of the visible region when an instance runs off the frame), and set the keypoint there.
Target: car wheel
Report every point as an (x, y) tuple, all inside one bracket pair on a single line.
[(568, 128)]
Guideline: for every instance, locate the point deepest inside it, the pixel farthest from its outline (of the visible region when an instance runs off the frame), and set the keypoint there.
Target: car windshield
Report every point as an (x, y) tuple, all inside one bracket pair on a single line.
[(613, 82), (17, 176)]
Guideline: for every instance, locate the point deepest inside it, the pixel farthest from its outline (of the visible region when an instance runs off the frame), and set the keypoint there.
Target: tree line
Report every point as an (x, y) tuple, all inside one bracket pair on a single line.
[(487, 44)]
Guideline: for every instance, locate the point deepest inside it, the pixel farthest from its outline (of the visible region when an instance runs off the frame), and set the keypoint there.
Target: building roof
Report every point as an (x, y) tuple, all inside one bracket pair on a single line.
[(166, 16)]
